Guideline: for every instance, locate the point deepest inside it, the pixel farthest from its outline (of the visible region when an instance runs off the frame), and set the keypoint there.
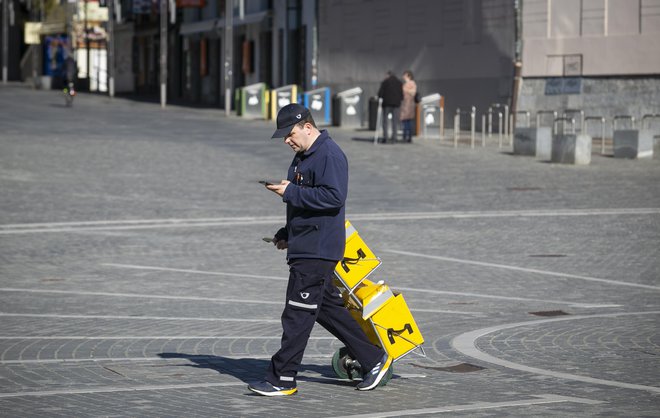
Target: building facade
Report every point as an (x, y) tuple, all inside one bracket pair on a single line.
[(598, 56)]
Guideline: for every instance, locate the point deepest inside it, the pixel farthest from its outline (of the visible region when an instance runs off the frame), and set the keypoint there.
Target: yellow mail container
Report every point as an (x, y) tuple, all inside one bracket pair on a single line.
[(359, 261), (368, 297), (392, 327)]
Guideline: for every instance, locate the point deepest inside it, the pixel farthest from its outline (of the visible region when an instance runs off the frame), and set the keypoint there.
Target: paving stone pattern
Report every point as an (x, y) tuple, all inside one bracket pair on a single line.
[(134, 281)]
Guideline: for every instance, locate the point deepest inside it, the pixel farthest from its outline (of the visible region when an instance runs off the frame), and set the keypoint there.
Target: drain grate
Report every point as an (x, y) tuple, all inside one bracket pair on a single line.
[(549, 313), (457, 368)]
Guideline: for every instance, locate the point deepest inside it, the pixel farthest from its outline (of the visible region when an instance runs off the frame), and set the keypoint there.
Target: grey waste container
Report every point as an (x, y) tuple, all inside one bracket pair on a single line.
[(348, 108), (431, 115), (253, 101), (373, 112)]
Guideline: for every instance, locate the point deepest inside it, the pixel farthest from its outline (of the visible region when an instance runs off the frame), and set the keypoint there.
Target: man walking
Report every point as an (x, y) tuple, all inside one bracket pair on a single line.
[(391, 91), (315, 194)]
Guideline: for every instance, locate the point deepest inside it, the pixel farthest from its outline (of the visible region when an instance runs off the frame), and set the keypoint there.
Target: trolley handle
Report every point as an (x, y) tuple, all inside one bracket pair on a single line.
[(392, 331), (345, 261)]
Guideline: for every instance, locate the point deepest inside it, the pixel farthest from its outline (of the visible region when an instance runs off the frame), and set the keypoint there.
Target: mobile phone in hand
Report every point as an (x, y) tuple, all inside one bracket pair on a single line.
[(268, 182)]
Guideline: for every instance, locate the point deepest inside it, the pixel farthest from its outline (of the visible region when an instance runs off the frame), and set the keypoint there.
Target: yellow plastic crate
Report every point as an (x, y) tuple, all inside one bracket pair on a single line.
[(392, 327), (359, 261), (383, 314), (396, 328), (368, 297)]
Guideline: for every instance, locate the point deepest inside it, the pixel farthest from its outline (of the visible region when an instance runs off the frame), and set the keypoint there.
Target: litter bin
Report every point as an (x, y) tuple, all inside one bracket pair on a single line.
[(431, 116), (46, 82), (318, 103), (253, 101), (281, 97), (373, 112), (348, 108)]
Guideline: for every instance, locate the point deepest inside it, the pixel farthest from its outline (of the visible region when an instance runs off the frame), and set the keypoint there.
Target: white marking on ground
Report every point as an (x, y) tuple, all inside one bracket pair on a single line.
[(466, 344), (523, 269), (131, 317), (211, 359), (477, 295), (209, 273), (476, 406), (138, 224), (112, 389), (150, 337), (138, 295), (448, 312), (512, 298)]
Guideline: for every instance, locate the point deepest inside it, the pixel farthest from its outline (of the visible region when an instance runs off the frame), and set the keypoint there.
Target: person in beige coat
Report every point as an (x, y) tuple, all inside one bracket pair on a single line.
[(408, 105)]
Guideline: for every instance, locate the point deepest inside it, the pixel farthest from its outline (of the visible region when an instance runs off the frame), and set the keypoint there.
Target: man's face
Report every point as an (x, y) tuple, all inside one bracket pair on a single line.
[(297, 139)]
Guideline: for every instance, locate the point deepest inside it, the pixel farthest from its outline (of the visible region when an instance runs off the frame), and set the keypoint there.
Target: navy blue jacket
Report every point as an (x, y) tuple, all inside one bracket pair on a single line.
[(315, 199)]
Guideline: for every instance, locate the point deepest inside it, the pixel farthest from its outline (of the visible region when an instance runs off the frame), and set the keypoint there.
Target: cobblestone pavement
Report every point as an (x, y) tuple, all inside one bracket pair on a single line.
[(134, 282)]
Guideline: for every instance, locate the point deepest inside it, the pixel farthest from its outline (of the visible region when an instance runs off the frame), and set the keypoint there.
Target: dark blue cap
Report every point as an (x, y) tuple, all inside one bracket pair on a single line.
[(287, 118)]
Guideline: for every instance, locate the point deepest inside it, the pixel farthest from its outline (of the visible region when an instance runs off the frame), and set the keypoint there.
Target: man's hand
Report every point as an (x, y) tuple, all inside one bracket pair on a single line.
[(282, 244), (278, 188)]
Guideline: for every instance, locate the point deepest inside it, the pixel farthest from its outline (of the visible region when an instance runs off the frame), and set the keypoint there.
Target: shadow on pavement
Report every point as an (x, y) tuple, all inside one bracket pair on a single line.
[(363, 139), (251, 369)]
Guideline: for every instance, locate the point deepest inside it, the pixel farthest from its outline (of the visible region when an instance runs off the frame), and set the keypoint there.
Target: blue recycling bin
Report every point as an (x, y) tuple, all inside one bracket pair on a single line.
[(319, 104)]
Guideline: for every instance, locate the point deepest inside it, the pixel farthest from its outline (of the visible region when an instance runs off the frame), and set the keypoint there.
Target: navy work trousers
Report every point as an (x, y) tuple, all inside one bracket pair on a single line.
[(312, 297)]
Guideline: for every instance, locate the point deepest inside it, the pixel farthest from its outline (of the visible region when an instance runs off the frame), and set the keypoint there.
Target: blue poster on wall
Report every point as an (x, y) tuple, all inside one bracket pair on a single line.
[(55, 55), (563, 85)]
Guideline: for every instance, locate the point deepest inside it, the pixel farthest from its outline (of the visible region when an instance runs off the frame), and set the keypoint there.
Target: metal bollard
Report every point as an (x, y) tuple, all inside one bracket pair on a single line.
[(544, 112), (499, 128), (506, 117), (472, 126), (647, 117), (526, 113), (510, 133), (442, 123), (602, 130), (570, 112), (554, 125), (457, 126), (623, 117), (483, 130)]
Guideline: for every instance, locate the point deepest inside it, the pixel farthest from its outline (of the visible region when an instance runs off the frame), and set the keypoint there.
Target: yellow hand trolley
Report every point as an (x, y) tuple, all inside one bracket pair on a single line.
[(381, 312)]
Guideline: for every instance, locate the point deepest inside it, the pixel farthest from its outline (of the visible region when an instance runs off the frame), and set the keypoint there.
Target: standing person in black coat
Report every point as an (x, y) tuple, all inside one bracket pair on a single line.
[(391, 91)]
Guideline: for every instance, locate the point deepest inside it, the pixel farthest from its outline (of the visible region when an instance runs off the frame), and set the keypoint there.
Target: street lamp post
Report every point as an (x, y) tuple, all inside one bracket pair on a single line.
[(163, 53), (111, 48), (229, 38), (5, 40)]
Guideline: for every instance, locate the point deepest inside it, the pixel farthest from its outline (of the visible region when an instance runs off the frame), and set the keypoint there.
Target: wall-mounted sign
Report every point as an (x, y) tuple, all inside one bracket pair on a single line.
[(563, 85)]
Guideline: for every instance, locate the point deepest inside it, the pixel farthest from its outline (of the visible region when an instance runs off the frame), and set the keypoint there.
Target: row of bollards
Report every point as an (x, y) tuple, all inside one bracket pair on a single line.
[(569, 146)]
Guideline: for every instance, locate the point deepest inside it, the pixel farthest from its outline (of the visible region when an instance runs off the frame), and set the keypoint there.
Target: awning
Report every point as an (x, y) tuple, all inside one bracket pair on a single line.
[(213, 25)]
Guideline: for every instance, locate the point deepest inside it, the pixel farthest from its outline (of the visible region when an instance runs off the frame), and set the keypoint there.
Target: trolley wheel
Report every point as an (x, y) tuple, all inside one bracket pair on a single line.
[(345, 366)]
